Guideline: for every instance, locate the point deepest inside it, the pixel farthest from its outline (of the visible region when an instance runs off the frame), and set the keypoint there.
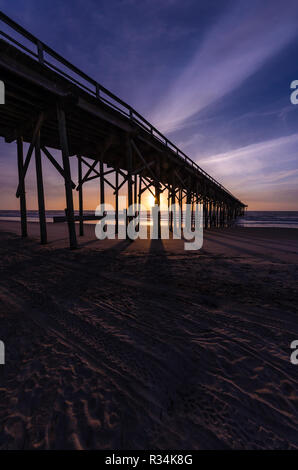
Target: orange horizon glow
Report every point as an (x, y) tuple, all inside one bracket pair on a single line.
[(257, 200), (148, 200)]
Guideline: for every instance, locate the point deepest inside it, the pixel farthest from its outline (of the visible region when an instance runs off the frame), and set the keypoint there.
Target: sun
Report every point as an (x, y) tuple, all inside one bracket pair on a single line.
[(150, 200)]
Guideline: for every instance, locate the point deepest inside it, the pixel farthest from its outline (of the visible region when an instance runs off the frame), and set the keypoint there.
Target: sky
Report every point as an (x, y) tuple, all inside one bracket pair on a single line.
[(213, 76)]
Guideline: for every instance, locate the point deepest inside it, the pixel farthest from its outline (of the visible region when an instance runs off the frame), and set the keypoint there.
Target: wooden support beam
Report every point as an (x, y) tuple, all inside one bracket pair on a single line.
[(147, 186), (27, 124), (88, 179), (188, 194), (40, 191), (129, 169), (22, 187), (138, 195), (123, 182), (143, 160), (135, 189), (31, 148), (173, 200), (179, 177), (142, 168), (102, 182), (81, 209), (121, 173), (56, 164), (104, 179), (140, 189), (192, 211), (117, 201), (157, 199), (205, 206), (91, 168), (67, 179), (102, 185), (107, 145), (109, 171), (180, 197)]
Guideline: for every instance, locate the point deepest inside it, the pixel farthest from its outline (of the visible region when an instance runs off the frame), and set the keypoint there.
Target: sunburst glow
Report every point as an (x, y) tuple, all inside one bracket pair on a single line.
[(150, 200)]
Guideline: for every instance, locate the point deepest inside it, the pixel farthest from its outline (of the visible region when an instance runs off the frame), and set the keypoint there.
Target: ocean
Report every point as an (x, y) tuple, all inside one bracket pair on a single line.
[(282, 219)]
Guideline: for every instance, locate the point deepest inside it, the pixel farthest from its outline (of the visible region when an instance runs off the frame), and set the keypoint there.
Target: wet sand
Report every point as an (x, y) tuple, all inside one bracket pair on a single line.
[(142, 345)]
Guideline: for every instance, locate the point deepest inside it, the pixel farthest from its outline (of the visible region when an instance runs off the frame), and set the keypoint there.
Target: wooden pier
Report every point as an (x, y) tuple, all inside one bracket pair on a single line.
[(51, 104)]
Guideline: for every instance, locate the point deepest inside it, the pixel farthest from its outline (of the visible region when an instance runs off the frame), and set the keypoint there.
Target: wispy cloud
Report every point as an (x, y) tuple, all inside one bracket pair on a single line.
[(234, 48), (269, 148), (257, 170)]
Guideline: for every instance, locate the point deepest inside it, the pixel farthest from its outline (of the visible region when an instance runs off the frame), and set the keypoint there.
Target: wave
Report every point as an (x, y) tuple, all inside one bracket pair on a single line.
[(282, 219)]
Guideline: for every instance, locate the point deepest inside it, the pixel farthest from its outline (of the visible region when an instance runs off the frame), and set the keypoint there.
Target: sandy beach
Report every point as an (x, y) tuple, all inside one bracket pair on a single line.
[(142, 345)]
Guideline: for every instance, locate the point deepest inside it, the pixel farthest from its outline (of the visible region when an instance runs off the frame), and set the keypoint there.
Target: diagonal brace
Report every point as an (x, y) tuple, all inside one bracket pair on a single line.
[(56, 164), (31, 148)]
